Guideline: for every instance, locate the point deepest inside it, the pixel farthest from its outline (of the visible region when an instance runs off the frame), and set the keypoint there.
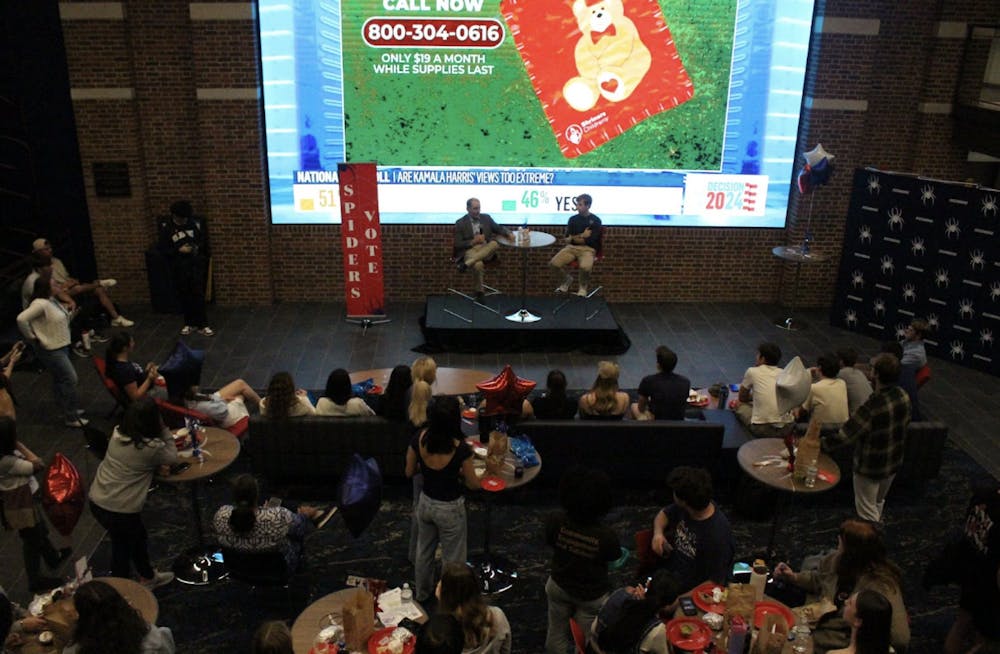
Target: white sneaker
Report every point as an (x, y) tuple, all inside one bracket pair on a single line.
[(78, 423), (564, 287), (159, 579), (186, 329), (582, 292), (108, 283), (206, 331), (122, 321)]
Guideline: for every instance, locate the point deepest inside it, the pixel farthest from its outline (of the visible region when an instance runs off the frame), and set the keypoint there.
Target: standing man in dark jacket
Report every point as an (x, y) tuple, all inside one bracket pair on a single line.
[(184, 242)]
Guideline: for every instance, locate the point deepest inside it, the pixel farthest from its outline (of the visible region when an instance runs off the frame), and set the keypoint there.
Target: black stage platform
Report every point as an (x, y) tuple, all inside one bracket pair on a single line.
[(452, 323)]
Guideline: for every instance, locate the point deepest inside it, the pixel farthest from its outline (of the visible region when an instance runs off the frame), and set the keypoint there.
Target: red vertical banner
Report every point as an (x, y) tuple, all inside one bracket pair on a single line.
[(361, 235)]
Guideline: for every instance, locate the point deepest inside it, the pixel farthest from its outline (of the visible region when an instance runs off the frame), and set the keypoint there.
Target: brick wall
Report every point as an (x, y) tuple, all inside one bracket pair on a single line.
[(171, 88)]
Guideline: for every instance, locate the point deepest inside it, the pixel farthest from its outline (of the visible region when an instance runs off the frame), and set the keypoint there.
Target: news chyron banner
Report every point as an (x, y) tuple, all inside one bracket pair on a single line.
[(361, 235)]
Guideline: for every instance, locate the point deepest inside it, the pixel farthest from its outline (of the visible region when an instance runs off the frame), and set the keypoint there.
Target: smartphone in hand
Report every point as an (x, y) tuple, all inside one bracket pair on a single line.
[(688, 607)]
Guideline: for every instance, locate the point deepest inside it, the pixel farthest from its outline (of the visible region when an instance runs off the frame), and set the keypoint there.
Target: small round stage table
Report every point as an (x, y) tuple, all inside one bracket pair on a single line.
[(450, 381), (534, 240), (794, 254)]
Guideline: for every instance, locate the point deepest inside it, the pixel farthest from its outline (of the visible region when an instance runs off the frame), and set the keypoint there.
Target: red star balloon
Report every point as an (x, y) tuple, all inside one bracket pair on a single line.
[(505, 393)]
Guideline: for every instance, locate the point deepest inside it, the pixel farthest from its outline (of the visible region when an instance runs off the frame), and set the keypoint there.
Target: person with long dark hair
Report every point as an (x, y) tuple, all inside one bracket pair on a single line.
[(283, 400), (441, 454), (132, 379), (393, 402), (870, 615), (582, 546), (554, 404), (18, 465), (138, 448), (485, 628), (338, 399), (246, 526), (108, 623), (45, 324), (859, 563)]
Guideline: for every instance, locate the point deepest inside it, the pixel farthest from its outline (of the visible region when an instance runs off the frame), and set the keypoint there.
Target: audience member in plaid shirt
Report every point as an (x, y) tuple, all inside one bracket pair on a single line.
[(877, 429)]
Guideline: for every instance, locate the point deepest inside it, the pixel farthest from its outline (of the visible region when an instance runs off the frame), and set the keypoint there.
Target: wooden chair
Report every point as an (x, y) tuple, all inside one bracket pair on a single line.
[(121, 400), (174, 415)]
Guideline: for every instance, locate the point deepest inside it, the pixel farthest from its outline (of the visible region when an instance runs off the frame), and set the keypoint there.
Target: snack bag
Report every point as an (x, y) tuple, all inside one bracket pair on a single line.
[(740, 600), (772, 635), (496, 452), (808, 451), (598, 67), (359, 620)]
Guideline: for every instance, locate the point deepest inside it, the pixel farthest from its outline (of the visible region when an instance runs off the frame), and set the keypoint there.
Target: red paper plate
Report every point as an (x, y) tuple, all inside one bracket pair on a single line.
[(381, 638), (698, 638), (699, 403), (707, 604), (374, 390), (764, 607), (493, 484)]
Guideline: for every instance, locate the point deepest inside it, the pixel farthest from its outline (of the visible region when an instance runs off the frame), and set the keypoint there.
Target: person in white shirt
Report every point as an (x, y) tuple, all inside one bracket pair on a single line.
[(338, 399), (859, 387), (758, 408), (827, 401)]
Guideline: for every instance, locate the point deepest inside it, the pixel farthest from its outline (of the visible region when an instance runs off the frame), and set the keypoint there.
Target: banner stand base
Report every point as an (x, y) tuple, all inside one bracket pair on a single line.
[(367, 322)]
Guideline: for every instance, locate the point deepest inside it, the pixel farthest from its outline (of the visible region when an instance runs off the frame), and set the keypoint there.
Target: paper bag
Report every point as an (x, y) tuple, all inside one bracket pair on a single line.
[(740, 600), (496, 452), (808, 451), (359, 620), (772, 635)]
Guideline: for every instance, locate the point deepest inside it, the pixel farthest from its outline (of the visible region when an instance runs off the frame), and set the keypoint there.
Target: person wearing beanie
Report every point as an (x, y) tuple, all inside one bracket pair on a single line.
[(183, 241)]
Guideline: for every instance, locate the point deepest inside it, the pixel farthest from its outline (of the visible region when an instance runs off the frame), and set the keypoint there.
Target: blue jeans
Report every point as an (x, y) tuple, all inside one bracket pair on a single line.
[(438, 522), (64, 378), (562, 607)]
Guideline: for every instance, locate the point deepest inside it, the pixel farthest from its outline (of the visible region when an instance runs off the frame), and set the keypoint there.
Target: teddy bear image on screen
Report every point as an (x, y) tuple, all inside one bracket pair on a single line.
[(610, 55), (598, 67)]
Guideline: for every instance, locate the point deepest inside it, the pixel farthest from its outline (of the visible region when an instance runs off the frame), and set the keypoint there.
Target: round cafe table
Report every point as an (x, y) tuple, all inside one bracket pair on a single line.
[(203, 564), (497, 573), (312, 620), (777, 476), (794, 254), (533, 240), (450, 381)]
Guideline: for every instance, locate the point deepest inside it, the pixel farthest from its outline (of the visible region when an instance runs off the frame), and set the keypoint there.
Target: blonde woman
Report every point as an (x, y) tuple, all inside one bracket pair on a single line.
[(604, 401), (418, 400)]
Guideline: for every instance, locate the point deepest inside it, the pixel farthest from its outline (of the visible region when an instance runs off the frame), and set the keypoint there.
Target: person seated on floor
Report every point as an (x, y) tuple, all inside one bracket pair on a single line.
[(392, 404), (859, 388), (758, 400), (869, 614), (226, 406), (283, 400), (633, 618), (18, 487), (108, 623), (827, 401), (554, 404), (133, 380), (82, 291), (692, 537), (604, 400), (272, 637), (662, 396), (441, 634), (247, 526), (485, 627), (859, 563), (338, 399)]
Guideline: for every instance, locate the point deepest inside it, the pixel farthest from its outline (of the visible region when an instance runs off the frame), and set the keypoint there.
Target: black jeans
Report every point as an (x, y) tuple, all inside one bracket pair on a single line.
[(35, 546), (129, 542), (188, 274)]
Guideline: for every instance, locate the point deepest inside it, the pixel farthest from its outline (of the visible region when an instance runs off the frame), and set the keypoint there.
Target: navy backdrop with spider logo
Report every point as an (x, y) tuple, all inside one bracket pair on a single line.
[(918, 247)]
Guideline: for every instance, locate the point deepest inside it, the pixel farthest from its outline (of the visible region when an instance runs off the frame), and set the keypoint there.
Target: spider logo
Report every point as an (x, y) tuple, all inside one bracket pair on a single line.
[(851, 317), (977, 259), (965, 308), (873, 185), (896, 219), (900, 331), (917, 246), (951, 228), (941, 278), (879, 305), (857, 279), (957, 350), (865, 234), (933, 321), (986, 338), (909, 293), (927, 194), (887, 266), (995, 291), (989, 206)]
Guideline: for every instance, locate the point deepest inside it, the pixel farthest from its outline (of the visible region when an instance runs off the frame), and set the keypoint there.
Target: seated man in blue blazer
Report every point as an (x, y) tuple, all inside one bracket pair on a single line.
[(475, 241)]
